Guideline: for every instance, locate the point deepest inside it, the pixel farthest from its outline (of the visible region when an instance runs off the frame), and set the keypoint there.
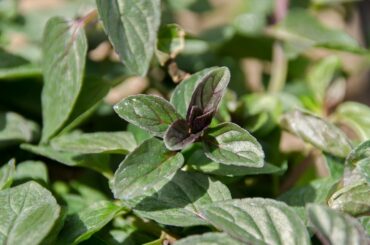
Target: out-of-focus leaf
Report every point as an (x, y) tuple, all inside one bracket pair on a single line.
[(318, 132), (31, 170), (356, 116), (358, 164), (365, 221), (97, 162), (64, 52), (259, 112), (171, 41), (81, 226), (148, 112), (317, 191), (7, 174), (132, 26), (230, 144), (15, 67), (8, 9), (332, 2), (209, 239), (257, 221), (183, 92), (21, 207), (146, 166), (19, 72), (253, 18), (321, 75), (16, 129), (302, 31), (99, 142), (197, 6), (333, 227), (353, 199), (335, 166), (179, 201), (199, 162)]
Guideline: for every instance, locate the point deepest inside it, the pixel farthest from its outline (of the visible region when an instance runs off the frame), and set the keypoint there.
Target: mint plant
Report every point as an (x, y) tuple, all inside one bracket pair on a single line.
[(125, 124)]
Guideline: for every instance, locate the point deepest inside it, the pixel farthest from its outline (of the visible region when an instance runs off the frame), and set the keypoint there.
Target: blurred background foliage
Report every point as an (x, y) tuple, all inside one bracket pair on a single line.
[(313, 55)]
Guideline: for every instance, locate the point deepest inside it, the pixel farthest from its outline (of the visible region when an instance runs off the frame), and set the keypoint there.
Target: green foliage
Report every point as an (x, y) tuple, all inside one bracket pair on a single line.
[(151, 122)]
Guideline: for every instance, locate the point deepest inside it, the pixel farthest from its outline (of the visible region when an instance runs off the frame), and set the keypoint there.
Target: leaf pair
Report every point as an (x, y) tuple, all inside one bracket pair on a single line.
[(201, 94), (161, 119), (202, 107)]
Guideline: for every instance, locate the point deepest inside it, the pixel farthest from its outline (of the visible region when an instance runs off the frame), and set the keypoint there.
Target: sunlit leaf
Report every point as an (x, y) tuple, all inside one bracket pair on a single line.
[(132, 26), (148, 112), (64, 52), (148, 164), (318, 132), (257, 221), (333, 227), (230, 144), (23, 207)]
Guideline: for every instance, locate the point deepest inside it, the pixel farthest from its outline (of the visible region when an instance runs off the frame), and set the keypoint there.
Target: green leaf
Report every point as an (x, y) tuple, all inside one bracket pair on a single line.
[(64, 52), (356, 116), (257, 221), (132, 26), (99, 142), (81, 226), (230, 144), (147, 165), (140, 134), (333, 227), (178, 202), (321, 75), (7, 174), (365, 222), (8, 9), (92, 93), (317, 191), (253, 19), (353, 199), (97, 162), (16, 129), (171, 41), (358, 164), (15, 67), (31, 170), (260, 112), (331, 2), (211, 238), (20, 72), (181, 96), (199, 162), (335, 166), (21, 207), (148, 112), (318, 132), (302, 30)]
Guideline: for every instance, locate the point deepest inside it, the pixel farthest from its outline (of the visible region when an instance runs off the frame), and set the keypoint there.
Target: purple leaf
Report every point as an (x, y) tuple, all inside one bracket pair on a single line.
[(178, 135)]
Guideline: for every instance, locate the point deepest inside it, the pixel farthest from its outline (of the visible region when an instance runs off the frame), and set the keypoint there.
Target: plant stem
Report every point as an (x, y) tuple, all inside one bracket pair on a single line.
[(279, 68), (279, 64)]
